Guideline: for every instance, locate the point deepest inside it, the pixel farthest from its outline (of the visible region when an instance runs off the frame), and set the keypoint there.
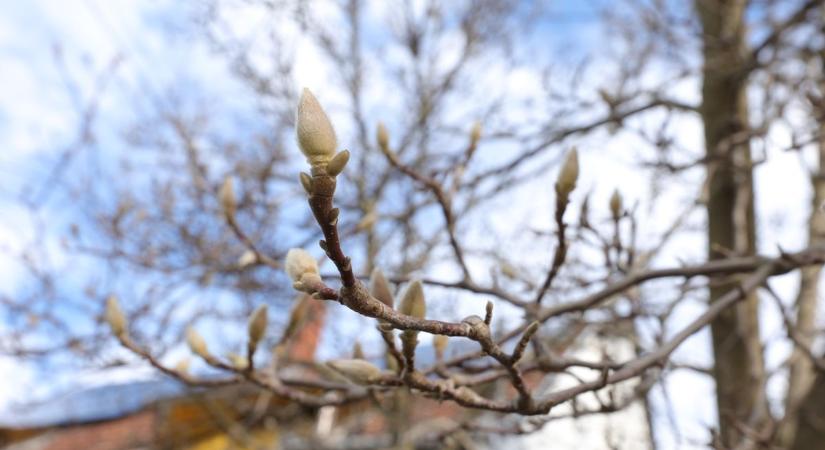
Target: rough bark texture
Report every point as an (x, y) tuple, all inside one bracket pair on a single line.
[(801, 368), (738, 372), (804, 423), (810, 434)]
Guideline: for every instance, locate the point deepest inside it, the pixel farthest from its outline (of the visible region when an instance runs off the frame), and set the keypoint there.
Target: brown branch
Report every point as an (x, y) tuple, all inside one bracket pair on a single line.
[(779, 31), (444, 203), (560, 253)]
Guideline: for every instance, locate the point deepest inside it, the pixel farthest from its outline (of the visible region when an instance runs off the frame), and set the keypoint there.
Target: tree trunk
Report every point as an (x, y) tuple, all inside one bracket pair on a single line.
[(737, 350), (804, 424), (801, 374), (810, 432)]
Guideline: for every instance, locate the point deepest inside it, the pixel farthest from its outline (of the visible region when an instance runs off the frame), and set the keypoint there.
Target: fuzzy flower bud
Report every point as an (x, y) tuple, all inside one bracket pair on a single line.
[(196, 343), (357, 351), (182, 366), (440, 345), (616, 205), (296, 316), (412, 302), (226, 195), (380, 288), (569, 174), (475, 134), (246, 259), (300, 262), (382, 137), (316, 137), (306, 182), (257, 325), (368, 221), (337, 164), (392, 363), (238, 361), (115, 317), (356, 370)]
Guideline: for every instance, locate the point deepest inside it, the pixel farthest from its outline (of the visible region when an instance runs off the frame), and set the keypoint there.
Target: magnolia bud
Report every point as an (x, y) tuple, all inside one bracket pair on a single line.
[(475, 134), (238, 361), (509, 271), (518, 352), (367, 221), (440, 344), (392, 363), (197, 344), (247, 259), (300, 262), (616, 204), (226, 195), (356, 370), (296, 316), (412, 302), (382, 137), (337, 164), (115, 317), (306, 182), (568, 174), (357, 351), (257, 325), (316, 137), (380, 288), (182, 366)]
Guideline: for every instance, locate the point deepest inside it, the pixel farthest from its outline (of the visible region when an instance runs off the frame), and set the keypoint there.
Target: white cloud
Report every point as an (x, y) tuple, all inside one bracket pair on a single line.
[(17, 378)]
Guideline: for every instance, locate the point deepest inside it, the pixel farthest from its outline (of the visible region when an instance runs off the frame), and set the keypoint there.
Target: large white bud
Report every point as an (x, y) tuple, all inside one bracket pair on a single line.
[(316, 137)]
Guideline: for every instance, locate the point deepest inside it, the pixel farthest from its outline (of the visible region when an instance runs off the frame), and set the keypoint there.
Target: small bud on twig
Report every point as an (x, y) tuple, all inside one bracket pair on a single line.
[(197, 344), (380, 288), (367, 221), (357, 351), (296, 317), (509, 271), (475, 134), (226, 195), (337, 164), (518, 352), (382, 137), (616, 205), (392, 363), (257, 325), (333, 216), (356, 370), (300, 262), (238, 361), (182, 366), (306, 182), (115, 317), (412, 302), (246, 259), (568, 175), (316, 137), (440, 344), (488, 316)]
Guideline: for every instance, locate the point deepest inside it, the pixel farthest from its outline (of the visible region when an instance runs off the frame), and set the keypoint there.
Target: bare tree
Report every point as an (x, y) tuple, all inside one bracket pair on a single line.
[(215, 223)]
